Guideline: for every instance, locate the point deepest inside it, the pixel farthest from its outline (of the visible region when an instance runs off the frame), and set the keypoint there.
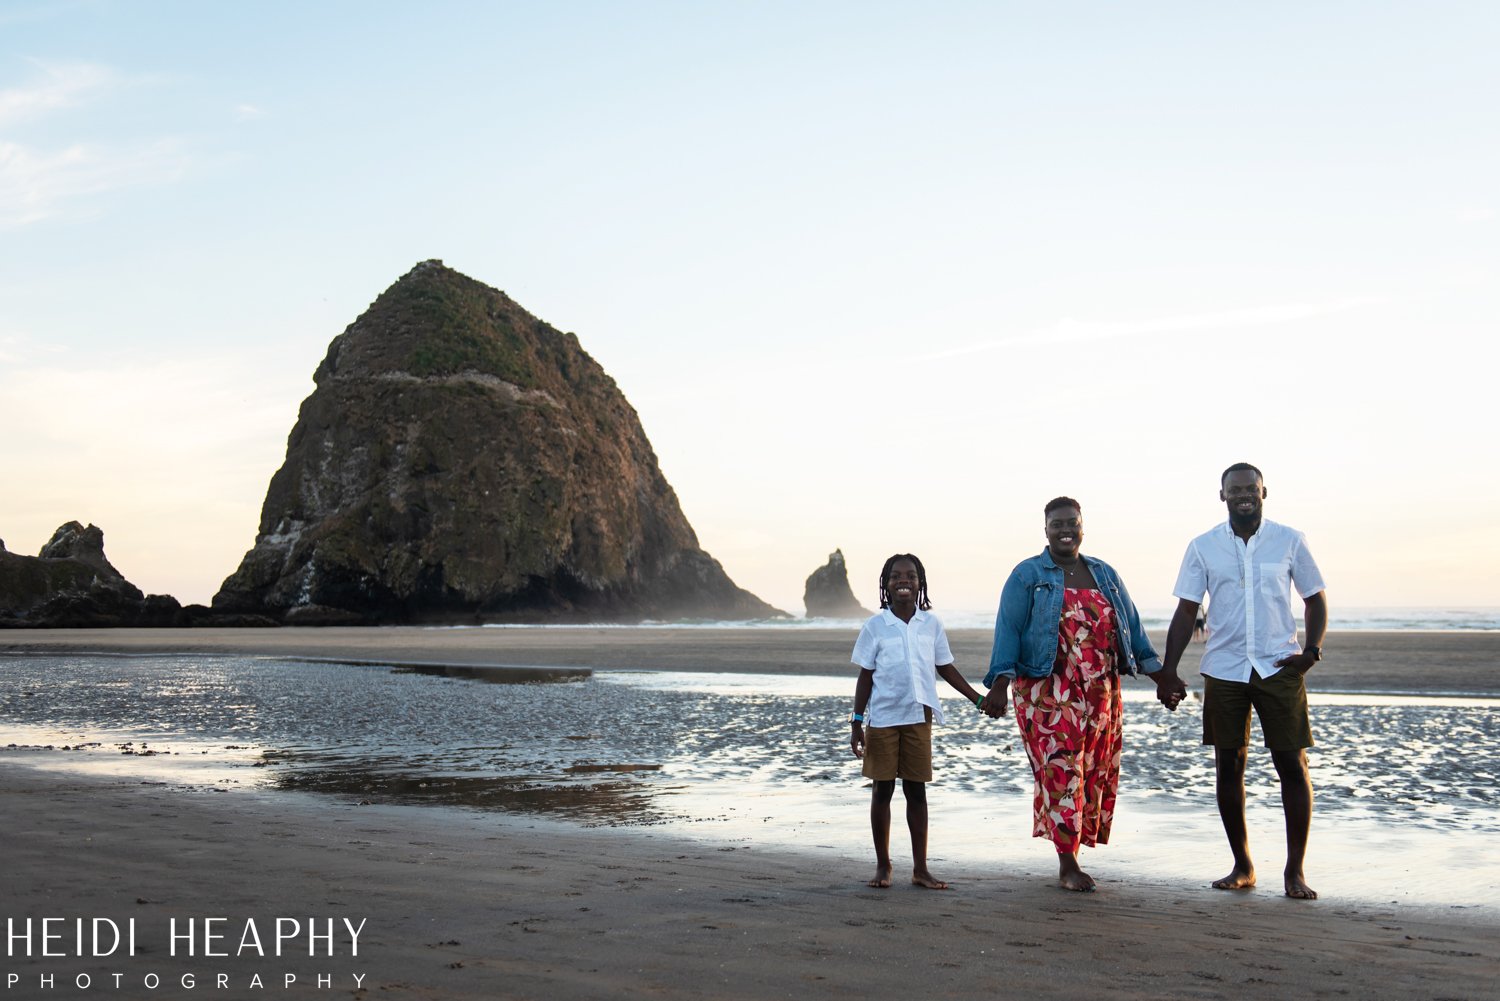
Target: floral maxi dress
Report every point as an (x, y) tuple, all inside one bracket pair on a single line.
[(1073, 728)]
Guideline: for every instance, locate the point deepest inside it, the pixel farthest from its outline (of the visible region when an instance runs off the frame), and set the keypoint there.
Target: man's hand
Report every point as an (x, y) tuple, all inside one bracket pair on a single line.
[(857, 740), (1299, 662)]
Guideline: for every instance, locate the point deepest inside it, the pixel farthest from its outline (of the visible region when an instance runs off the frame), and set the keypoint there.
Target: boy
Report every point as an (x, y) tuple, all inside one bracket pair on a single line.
[(900, 653)]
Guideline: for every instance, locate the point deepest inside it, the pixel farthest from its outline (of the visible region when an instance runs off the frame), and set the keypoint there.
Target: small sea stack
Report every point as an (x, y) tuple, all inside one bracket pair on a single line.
[(827, 593)]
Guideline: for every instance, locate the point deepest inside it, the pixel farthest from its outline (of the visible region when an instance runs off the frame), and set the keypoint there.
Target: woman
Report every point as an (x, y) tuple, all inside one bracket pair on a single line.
[(1065, 631)]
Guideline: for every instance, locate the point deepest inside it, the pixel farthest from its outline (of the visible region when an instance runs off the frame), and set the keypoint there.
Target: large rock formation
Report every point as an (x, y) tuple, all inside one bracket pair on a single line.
[(73, 584), (462, 461), (827, 594)]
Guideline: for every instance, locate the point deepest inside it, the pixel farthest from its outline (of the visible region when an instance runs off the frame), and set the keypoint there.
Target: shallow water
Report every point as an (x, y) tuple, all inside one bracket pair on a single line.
[(1408, 801)]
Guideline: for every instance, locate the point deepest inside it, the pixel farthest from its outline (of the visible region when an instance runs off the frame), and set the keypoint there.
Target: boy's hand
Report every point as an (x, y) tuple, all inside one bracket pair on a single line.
[(857, 740)]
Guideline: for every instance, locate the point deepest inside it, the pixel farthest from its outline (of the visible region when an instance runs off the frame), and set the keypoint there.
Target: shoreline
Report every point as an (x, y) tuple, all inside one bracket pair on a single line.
[(463, 905), (1355, 661)]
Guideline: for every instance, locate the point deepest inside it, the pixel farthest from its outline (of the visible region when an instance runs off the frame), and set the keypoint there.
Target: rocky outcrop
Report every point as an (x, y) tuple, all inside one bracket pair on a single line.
[(827, 594), (73, 584), (462, 461)]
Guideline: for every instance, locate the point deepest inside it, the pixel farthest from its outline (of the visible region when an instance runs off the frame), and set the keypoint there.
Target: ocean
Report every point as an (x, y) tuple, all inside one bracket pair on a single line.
[(1371, 618), (1407, 787)]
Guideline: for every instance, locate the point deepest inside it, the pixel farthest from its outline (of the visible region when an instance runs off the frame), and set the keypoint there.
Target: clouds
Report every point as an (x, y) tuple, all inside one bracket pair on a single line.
[(58, 88), (37, 185), (55, 173)]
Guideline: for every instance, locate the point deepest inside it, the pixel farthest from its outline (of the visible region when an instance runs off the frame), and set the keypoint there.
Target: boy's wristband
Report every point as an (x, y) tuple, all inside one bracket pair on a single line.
[(856, 717), (979, 700)]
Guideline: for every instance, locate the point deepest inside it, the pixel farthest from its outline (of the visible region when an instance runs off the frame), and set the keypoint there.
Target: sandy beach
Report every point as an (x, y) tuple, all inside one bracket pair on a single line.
[(465, 904), (460, 905)]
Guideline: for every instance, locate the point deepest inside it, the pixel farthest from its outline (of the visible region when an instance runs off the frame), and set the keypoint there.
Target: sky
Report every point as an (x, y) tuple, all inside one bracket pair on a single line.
[(878, 277)]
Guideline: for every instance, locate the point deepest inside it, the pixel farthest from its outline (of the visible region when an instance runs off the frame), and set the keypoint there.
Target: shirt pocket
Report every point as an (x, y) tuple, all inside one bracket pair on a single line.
[(1041, 604), (927, 650), (1275, 579), (890, 654)]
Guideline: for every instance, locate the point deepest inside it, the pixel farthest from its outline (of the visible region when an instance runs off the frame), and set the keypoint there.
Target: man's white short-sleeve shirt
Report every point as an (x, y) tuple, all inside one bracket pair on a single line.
[(1250, 620), (905, 658)]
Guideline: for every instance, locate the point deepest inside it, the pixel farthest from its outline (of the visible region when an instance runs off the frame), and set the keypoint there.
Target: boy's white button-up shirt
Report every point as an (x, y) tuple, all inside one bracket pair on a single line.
[(904, 658), (1250, 620)]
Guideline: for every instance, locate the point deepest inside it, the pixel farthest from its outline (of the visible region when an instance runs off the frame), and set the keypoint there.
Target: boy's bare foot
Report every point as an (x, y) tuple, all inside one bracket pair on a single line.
[(1239, 879), (1297, 888), (882, 878), (921, 877), (1077, 881)]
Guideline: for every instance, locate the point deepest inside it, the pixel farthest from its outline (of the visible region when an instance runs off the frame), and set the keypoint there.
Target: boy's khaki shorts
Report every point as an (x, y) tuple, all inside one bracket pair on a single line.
[(899, 752), (1280, 701)]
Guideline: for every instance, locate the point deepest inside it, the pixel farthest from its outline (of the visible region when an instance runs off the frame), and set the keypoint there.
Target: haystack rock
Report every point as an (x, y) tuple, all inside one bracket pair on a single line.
[(462, 461), (72, 584), (827, 594)]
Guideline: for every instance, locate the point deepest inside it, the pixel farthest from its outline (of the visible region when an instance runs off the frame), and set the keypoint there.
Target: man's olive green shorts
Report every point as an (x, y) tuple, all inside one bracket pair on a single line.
[(1280, 701), (899, 752)]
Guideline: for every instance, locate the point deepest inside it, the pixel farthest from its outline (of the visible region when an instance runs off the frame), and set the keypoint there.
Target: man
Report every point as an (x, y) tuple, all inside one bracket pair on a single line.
[(1248, 566)]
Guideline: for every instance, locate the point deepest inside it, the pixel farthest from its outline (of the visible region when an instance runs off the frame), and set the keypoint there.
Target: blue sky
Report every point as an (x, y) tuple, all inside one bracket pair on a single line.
[(877, 276)]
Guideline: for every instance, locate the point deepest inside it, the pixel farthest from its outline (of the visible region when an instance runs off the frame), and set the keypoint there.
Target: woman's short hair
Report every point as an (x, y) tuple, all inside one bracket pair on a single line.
[(1057, 502)]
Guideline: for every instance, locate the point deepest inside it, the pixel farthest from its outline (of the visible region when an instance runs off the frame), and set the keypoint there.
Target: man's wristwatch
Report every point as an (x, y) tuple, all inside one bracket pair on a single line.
[(1315, 652)]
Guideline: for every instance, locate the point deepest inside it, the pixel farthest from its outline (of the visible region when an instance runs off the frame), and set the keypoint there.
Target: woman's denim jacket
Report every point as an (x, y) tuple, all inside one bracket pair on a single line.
[(1031, 613)]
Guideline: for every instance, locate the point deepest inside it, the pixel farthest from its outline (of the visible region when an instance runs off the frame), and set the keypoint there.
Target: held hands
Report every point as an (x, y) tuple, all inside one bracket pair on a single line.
[(1170, 689), (993, 705)]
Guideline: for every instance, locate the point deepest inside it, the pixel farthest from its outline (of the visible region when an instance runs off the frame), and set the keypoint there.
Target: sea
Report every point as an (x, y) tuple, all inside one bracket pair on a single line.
[(1371, 618), (1408, 802)]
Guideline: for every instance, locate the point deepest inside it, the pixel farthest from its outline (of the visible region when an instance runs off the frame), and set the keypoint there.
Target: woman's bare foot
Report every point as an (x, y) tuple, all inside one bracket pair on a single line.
[(1297, 888), (882, 878), (1070, 877), (1079, 882), (1239, 879), (921, 877)]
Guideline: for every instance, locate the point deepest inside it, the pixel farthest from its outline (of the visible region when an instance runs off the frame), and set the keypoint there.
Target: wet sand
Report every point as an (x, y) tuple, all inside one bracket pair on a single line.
[(462, 904), (1354, 661)]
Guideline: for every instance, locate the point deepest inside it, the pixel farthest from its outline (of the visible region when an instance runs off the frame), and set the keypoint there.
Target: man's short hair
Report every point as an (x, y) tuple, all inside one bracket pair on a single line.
[(1057, 502), (1240, 467)]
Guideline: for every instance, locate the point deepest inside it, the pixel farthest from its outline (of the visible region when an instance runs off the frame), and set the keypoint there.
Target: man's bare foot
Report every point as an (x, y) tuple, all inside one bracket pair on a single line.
[(1297, 888), (1237, 880), (882, 878), (921, 877)]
